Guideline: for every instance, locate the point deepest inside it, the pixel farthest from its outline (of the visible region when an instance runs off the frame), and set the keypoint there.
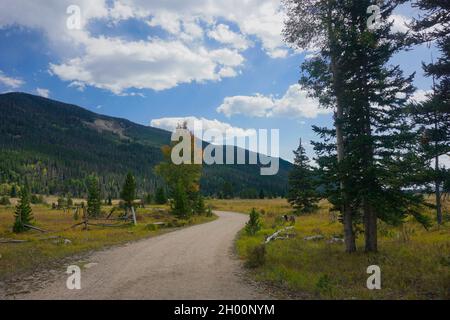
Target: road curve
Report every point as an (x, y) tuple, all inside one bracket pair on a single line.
[(192, 263)]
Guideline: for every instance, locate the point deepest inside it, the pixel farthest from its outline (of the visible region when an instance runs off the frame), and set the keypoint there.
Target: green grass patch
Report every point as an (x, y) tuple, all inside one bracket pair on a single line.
[(414, 262), (24, 257)]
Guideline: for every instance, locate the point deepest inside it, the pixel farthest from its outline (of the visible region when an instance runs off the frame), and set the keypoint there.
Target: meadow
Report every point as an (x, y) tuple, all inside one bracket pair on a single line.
[(414, 262), (41, 250)]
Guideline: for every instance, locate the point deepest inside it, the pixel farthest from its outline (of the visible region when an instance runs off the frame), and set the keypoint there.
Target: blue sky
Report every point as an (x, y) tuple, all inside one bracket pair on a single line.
[(156, 60)]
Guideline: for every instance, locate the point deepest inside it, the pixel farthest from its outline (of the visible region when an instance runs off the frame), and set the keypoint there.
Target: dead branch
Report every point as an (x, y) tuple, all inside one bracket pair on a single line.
[(35, 228)]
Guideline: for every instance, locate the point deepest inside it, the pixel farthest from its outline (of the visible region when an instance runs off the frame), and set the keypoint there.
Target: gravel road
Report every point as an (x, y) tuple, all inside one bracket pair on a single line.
[(192, 263)]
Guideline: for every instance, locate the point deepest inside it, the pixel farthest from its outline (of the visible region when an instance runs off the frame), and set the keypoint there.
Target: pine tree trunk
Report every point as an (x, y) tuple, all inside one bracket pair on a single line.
[(349, 234), (370, 228)]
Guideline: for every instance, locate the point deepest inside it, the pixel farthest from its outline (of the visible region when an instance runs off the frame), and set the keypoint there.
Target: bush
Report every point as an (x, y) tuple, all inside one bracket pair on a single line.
[(151, 227), (35, 199), (199, 206), (253, 225), (256, 256), (209, 212), (4, 201)]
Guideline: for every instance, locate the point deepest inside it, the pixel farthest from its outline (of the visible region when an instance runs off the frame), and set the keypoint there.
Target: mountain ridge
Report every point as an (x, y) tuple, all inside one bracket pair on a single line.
[(54, 145)]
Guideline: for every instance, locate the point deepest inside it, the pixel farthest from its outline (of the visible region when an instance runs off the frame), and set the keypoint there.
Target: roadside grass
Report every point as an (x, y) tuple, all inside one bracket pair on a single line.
[(414, 262), (44, 248)]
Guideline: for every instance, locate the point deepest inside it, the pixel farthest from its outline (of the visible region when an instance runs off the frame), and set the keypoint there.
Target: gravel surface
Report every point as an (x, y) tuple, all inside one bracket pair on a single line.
[(192, 263)]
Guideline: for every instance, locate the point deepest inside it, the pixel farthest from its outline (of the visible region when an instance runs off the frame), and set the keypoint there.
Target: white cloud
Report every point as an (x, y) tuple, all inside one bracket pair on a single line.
[(295, 103), (400, 23), (182, 56), (43, 92), (116, 65), (420, 95), (10, 82), (170, 124), (223, 34)]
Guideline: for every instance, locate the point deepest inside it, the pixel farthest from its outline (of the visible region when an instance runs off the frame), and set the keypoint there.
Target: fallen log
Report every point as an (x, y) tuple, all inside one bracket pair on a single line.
[(35, 228), (12, 241), (275, 236)]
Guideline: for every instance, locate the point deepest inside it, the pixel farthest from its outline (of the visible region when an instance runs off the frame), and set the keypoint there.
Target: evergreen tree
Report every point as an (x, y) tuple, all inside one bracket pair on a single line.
[(160, 196), (302, 190), (23, 214), (253, 225), (128, 193), (13, 193), (69, 201), (261, 194), (433, 115), (318, 23), (93, 202), (374, 141), (180, 206), (200, 205)]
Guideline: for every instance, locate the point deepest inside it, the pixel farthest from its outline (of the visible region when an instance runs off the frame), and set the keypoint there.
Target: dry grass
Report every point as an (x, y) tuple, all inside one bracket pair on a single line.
[(23, 257), (415, 263)]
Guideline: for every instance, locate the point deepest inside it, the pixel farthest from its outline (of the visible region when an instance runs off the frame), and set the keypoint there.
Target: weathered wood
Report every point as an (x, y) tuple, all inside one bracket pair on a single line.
[(134, 215), (12, 241), (35, 228), (275, 235)]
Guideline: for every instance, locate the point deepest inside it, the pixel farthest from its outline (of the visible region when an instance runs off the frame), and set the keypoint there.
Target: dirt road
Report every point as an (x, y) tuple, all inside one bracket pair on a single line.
[(192, 263)]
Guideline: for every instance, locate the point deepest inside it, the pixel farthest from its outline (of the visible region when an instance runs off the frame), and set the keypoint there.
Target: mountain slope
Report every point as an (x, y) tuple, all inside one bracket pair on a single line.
[(56, 145)]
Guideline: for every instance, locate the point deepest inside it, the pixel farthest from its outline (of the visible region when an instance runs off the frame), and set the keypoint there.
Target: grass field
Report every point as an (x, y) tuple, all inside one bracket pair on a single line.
[(415, 263), (46, 248)]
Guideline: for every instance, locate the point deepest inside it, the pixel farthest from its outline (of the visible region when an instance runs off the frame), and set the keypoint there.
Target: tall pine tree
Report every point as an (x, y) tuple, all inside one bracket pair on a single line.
[(433, 115), (373, 139)]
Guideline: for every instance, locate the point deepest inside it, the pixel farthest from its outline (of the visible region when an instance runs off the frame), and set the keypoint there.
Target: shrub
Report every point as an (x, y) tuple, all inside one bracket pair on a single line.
[(256, 256), (209, 212), (199, 206), (253, 225), (35, 199), (4, 201), (151, 227)]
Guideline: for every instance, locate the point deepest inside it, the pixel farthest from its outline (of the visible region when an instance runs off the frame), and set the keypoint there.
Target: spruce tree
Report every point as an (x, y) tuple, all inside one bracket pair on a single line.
[(199, 206), (374, 142), (433, 115), (23, 214), (93, 202), (180, 205), (254, 224), (302, 193), (160, 196), (128, 193), (318, 23)]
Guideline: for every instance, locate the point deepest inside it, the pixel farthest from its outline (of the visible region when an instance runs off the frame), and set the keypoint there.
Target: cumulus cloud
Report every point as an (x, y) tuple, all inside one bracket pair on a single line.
[(420, 95), (170, 124), (116, 65), (294, 103), (223, 34), (400, 23), (159, 62), (43, 92), (10, 82)]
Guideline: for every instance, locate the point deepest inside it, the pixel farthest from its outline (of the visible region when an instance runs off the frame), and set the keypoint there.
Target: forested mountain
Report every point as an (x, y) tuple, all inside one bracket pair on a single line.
[(55, 146)]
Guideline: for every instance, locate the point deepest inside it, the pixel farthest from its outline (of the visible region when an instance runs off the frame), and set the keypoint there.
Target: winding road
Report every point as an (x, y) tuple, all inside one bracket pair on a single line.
[(192, 263)]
